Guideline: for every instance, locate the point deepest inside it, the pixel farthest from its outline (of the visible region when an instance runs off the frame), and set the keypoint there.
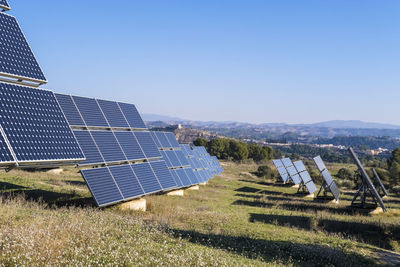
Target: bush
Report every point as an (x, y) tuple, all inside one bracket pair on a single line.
[(345, 174), (396, 190), (266, 172)]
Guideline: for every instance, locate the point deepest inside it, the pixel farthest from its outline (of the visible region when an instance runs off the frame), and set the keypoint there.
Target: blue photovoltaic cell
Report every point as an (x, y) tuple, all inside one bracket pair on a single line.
[(113, 113), (16, 57), (198, 176), (181, 157), (90, 111), (147, 178), (102, 186), (172, 139), (147, 144), (69, 109), (5, 154), (183, 176), (35, 126), (320, 164), (163, 140), (132, 116), (173, 158), (176, 178), (311, 187), (299, 166), (130, 145), (108, 146), (89, 148), (158, 144), (190, 174), (165, 157), (163, 174), (127, 181)]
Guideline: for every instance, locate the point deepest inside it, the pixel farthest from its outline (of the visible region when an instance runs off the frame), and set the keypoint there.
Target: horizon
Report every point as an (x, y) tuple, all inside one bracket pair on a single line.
[(296, 62)]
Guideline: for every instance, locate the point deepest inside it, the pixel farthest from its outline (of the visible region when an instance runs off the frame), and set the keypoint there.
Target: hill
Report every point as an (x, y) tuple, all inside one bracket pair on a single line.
[(236, 220)]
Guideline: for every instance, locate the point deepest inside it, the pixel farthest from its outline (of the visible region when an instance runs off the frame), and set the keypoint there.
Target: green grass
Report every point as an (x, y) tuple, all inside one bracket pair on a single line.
[(236, 220)]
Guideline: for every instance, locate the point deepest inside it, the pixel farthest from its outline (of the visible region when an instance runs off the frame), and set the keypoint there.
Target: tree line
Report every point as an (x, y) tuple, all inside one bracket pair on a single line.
[(224, 148)]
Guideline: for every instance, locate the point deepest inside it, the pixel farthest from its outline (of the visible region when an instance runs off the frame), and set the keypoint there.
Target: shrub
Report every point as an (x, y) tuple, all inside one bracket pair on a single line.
[(265, 172), (345, 174)]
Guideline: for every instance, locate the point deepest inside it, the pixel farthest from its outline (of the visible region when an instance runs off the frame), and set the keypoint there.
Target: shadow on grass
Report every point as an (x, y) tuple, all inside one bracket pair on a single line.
[(247, 189), (278, 184), (252, 203), (50, 198), (314, 207), (79, 183), (273, 251), (379, 235), (4, 186)]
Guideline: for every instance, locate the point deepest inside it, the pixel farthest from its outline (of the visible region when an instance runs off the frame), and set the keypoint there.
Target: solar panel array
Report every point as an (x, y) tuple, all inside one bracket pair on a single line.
[(17, 60), (4, 5), (329, 183), (34, 131), (305, 176), (114, 138)]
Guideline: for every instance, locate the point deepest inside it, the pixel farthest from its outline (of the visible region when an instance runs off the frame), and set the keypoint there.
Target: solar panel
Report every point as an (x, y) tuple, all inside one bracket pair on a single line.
[(154, 136), (286, 162), (296, 178), (89, 148), (90, 111), (16, 57), (366, 184), (162, 138), (4, 5), (181, 157), (278, 163), (102, 186), (184, 177), (176, 178), (320, 164), (190, 173), (5, 153), (163, 174), (305, 177), (108, 146), (132, 116), (113, 114), (147, 144), (173, 158), (329, 184), (127, 181), (69, 109), (130, 146), (291, 170), (35, 127), (147, 178), (172, 139)]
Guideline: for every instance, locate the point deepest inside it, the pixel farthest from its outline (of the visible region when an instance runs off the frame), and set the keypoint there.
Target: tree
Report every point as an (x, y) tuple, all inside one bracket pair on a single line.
[(257, 153), (219, 148), (270, 152), (394, 168), (200, 142), (238, 150)]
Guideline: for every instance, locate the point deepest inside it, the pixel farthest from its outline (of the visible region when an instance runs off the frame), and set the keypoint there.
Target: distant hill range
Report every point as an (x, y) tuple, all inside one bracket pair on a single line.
[(323, 129)]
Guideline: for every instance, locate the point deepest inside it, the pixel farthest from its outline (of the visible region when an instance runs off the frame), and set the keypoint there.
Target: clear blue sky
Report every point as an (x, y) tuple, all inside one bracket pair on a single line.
[(251, 61)]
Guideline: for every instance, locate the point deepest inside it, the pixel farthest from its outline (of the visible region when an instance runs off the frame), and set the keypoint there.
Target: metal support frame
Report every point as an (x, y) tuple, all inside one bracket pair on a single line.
[(323, 192), (379, 185)]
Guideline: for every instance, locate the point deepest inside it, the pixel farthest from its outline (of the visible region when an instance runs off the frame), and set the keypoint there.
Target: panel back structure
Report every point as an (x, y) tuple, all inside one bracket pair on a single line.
[(366, 189), (329, 185), (175, 159), (379, 185), (306, 181), (34, 131), (115, 140), (18, 64)]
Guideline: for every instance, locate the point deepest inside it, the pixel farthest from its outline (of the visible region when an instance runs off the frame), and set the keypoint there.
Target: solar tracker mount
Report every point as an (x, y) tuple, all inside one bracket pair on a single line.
[(379, 185), (328, 189), (366, 196)]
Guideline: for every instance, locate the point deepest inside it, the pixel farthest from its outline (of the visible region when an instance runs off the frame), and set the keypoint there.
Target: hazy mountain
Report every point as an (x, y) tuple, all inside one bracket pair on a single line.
[(156, 117), (351, 124)]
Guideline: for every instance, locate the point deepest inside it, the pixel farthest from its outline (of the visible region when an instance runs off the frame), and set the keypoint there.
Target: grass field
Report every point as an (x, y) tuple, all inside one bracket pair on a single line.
[(237, 219)]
